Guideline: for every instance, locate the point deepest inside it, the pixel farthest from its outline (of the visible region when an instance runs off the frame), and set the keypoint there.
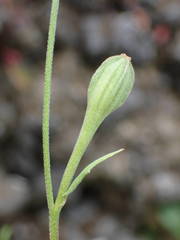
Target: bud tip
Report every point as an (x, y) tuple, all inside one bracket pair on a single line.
[(125, 56)]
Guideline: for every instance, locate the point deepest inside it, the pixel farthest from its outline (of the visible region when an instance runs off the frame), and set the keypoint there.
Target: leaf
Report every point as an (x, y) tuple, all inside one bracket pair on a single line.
[(87, 170), (5, 232), (169, 217)]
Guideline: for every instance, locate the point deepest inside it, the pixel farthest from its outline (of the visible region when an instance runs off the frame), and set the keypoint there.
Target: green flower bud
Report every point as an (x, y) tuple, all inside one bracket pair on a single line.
[(110, 86)]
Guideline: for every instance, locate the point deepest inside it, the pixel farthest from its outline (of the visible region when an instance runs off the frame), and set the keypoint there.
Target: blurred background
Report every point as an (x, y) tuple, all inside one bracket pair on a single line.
[(135, 195)]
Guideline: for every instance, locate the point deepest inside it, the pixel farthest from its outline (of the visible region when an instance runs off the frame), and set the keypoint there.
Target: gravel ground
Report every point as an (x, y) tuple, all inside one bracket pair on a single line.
[(137, 194)]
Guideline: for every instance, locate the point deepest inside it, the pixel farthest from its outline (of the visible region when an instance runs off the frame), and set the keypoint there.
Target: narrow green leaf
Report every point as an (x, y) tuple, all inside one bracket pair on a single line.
[(87, 170)]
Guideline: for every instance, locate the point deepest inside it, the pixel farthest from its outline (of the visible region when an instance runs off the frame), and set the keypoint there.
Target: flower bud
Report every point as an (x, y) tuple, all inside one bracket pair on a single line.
[(110, 85)]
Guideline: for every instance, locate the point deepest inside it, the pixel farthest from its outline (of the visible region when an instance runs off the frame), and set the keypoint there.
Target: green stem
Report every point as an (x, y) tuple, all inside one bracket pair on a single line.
[(87, 132), (53, 215), (54, 224), (46, 102)]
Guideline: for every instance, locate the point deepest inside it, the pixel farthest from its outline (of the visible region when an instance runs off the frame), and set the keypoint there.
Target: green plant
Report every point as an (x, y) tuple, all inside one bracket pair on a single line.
[(5, 232), (169, 218), (109, 88)]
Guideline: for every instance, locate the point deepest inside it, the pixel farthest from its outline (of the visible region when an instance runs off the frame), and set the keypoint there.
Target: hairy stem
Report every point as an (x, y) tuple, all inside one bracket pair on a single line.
[(54, 224), (54, 218), (46, 102)]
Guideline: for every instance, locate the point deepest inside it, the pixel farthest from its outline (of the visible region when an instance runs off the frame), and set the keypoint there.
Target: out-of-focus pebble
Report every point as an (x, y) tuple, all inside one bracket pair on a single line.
[(14, 195)]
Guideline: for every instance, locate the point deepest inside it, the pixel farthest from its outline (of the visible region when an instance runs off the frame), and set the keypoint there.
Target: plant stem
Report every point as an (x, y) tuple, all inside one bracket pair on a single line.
[(46, 101), (54, 225), (53, 215), (88, 130)]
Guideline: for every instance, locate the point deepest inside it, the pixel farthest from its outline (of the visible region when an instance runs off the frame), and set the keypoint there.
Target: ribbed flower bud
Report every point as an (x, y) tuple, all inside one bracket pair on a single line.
[(110, 85), (109, 88)]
